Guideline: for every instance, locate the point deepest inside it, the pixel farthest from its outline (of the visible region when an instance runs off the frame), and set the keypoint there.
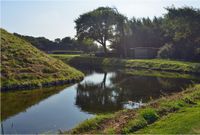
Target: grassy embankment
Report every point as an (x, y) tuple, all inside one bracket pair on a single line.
[(23, 66), (154, 64), (161, 74), (179, 113)]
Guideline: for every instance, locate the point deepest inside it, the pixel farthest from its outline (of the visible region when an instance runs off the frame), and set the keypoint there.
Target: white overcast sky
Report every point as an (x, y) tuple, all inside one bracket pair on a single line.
[(55, 18)]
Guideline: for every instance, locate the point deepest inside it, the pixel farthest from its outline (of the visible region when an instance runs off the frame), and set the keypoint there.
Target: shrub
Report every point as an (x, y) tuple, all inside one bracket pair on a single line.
[(149, 115), (134, 125)]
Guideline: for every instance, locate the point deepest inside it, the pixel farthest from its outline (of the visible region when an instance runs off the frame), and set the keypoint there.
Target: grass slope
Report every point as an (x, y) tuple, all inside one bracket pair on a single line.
[(185, 121), (154, 64), (178, 113), (23, 66)]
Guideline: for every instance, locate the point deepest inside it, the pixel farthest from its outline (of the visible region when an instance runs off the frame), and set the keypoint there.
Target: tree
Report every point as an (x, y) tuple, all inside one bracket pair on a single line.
[(57, 40), (182, 26), (124, 31), (99, 25)]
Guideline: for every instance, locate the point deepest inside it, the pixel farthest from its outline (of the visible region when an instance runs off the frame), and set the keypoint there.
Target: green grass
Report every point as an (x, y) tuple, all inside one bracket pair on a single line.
[(165, 108), (184, 121), (178, 113), (22, 65), (149, 114), (161, 74), (90, 124), (154, 64), (65, 56), (134, 125)]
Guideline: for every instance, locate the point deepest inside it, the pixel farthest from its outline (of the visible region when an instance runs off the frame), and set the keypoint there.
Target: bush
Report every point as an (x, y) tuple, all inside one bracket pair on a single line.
[(166, 51), (149, 115), (134, 125)]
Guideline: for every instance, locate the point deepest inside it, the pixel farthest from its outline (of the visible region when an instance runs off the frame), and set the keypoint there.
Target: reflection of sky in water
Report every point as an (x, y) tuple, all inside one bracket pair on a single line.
[(51, 114), (97, 78), (132, 105)]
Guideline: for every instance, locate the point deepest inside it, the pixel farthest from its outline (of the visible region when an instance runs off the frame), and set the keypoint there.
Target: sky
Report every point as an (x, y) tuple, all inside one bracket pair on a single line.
[(55, 18)]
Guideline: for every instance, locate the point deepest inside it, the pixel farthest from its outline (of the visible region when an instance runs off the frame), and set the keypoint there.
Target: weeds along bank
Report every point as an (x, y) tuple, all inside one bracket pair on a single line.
[(23, 66), (154, 64), (178, 113)]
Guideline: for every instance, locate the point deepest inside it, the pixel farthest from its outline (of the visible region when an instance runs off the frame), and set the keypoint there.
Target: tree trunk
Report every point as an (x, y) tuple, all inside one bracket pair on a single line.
[(124, 43), (125, 49), (105, 49)]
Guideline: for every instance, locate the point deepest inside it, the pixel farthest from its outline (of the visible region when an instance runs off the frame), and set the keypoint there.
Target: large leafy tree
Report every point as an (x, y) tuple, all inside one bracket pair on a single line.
[(183, 28), (99, 25)]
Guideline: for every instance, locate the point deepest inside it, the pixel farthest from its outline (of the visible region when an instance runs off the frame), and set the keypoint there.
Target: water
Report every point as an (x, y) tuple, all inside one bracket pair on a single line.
[(48, 110)]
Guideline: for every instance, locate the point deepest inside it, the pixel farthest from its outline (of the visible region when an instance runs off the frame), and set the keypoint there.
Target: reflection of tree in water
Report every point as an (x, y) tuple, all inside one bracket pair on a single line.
[(173, 85), (97, 98)]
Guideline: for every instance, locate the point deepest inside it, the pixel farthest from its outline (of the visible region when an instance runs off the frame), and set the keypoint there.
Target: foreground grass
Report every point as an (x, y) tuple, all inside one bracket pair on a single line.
[(178, 113), (23, 66), (186, 120), (154, 64)]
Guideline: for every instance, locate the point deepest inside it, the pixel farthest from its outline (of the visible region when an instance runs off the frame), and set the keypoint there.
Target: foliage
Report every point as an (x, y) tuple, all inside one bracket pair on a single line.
[(99, 25), (149, 115), (182, 27), (63, 44), (179, 28)]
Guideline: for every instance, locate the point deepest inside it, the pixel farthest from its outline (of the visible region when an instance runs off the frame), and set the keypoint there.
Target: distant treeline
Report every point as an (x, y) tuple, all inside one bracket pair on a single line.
[(176, 34), (65, 44)]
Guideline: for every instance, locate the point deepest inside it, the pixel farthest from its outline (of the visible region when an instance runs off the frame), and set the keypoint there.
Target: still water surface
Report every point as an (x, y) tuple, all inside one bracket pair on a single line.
[(48, 110)]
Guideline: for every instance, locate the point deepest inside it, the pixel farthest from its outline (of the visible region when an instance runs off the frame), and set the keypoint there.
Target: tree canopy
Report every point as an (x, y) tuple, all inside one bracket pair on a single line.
[(99, 25)]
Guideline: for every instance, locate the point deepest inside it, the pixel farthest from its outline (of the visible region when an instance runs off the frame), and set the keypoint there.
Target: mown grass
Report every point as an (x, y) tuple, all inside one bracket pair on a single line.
[(154, 64), (65, 55), (156, 115), (162, 74), (24, 65), (184, 121)]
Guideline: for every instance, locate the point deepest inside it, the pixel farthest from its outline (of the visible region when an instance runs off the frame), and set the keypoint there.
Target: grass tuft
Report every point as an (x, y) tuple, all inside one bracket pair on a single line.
[(90, 124), (149, 115)]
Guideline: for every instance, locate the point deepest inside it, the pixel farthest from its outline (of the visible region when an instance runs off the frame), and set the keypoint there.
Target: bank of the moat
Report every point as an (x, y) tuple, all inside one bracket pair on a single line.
[(101, 91)]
